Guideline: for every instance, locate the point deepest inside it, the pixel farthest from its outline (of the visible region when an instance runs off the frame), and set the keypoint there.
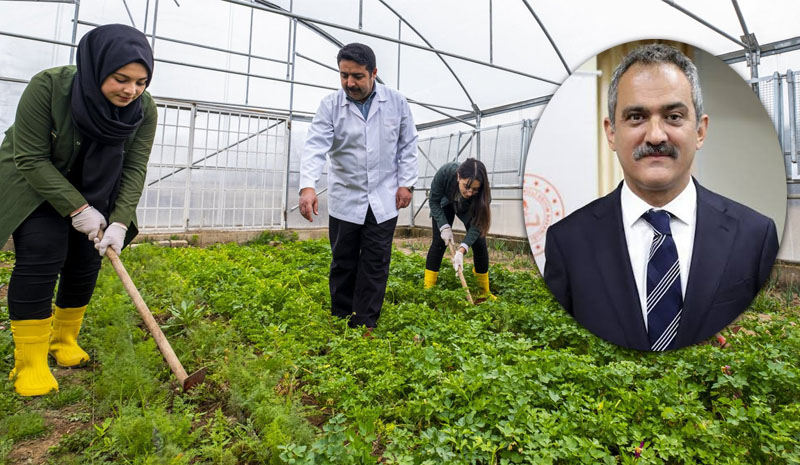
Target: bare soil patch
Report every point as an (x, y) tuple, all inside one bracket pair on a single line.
[(59, 423)]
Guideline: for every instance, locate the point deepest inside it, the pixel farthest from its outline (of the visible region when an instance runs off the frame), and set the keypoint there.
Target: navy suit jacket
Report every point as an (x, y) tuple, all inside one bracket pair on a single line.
[(588, 269)]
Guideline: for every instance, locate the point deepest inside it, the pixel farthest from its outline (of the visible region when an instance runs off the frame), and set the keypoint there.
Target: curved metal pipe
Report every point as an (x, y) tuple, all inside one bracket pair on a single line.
[(390, 39), (401, 18), (705, 23), (547, 34)]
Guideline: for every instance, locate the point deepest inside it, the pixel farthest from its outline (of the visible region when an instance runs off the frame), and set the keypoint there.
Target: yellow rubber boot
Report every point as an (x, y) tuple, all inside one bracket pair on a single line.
[(64, 343), (33, 377), (483, 284), (430, 278)]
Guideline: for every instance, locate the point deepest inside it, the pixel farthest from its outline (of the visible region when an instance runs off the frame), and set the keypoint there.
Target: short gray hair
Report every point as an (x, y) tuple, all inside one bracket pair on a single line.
[(652, 54)]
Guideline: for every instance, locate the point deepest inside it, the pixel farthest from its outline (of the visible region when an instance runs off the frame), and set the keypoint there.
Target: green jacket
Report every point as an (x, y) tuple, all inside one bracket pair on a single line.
[(40, 148), (444, 183)]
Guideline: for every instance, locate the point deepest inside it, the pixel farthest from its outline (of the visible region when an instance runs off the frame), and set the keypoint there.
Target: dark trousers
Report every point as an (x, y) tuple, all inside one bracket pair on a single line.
[(47, 246), (480, 253), (360, 268)]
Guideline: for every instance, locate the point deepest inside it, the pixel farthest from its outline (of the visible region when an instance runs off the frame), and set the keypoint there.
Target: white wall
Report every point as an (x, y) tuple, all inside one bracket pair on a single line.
[(741, 158), (561, 172)]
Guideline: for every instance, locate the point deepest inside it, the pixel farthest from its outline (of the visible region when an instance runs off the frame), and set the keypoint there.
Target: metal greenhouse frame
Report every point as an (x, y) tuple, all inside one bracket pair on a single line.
[(224, 165)]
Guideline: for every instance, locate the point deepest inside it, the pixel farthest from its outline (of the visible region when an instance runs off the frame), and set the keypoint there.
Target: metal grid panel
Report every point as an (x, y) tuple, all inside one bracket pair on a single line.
[(766, 93), (436, 151), (162, 201), (770, 92), (501, 149), (214, 169), (793, 79)]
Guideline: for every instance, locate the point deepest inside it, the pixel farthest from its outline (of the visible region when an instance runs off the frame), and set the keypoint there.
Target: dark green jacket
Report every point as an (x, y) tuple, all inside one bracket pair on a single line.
[(40, 148), (445, 183)]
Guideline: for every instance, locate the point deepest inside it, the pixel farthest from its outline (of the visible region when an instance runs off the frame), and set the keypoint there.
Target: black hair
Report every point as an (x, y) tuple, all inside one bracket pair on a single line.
[(359, 53), (474, 170)]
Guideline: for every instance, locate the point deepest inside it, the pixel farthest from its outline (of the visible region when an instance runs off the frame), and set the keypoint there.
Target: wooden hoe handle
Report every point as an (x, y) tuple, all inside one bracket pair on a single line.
[(161, 341), (461, 276)]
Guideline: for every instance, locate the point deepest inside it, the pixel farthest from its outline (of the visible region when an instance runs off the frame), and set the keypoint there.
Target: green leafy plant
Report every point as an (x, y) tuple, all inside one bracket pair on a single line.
[(184, 316), (23, 425), (65, 396), (511, 381)]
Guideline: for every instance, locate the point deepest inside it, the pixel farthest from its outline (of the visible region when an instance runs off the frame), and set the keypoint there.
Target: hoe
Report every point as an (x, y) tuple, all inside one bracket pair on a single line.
[(187, 381), (461, 277)]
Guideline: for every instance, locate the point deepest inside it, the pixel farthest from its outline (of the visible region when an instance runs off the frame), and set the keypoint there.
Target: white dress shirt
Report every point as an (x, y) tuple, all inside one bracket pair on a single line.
[(639, 234), (369, 159)]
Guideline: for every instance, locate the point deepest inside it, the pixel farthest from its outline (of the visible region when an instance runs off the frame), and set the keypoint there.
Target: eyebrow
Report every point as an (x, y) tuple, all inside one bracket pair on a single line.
[(126, 76), (675, 106), (664, 108)]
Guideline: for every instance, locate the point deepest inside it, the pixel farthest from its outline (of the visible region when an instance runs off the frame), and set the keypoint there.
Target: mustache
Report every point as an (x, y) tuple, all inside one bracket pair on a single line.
[(665, 148)]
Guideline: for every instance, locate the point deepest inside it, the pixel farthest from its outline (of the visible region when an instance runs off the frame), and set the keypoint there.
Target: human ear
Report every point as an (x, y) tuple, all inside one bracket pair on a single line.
[(610, 132), (701, 131)]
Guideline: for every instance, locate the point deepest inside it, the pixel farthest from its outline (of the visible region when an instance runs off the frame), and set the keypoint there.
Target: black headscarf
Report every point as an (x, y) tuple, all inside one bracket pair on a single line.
[(104, 126)]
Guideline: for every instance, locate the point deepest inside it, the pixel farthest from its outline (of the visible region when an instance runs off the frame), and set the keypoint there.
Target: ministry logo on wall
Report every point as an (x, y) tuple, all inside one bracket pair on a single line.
[(543, 206)]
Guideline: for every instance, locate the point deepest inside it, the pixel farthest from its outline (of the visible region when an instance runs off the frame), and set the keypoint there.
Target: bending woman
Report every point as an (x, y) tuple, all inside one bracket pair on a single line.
[(463, 191), (73, 164)]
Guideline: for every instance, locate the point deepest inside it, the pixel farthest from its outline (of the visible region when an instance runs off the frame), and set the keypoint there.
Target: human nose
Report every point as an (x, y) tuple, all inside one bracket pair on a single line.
[(129, 89), (656, 134)]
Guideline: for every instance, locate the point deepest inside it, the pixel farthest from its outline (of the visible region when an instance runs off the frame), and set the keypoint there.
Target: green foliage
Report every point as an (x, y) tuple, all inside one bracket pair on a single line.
[(138, 433), (5, 449), (6, 258), (9, 404), (511, 381), (183, 317), (271, 237), (73, 443), (23, 425), (66, 395)]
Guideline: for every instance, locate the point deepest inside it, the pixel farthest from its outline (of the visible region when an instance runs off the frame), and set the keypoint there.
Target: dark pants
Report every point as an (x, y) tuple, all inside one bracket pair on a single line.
[(480, 253), (48, 246), (359, 268)]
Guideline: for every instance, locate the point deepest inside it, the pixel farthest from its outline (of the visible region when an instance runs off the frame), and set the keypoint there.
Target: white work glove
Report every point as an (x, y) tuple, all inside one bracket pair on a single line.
[(447, 234), (89, 221), (458, 260), (114, 237)]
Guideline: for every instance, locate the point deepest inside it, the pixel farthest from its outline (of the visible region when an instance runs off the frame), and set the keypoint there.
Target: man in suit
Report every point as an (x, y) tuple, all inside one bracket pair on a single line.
[(661, 262)]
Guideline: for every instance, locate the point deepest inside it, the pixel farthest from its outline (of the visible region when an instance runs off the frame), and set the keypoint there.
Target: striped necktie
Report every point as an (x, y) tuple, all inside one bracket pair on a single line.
[(664, 297)]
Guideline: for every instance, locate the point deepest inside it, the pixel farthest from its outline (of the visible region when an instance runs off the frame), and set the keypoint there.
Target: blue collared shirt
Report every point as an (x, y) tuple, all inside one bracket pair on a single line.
[(364, 107)]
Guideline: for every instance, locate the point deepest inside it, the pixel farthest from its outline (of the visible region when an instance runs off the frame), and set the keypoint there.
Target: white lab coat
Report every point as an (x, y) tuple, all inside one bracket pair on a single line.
[(369, 159)]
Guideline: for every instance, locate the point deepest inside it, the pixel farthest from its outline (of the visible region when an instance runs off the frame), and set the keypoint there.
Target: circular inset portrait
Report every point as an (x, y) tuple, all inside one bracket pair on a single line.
[(654, 194)]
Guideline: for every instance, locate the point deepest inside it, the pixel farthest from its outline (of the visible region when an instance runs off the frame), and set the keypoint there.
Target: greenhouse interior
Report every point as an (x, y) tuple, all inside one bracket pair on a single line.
[(243, 293)]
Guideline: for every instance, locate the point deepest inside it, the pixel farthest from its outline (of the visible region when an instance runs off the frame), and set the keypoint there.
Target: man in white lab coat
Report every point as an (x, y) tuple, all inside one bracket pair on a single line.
[(368, 133)]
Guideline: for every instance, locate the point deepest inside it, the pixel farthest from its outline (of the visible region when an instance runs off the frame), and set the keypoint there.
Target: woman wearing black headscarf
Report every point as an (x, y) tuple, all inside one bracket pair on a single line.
[(73, 164)]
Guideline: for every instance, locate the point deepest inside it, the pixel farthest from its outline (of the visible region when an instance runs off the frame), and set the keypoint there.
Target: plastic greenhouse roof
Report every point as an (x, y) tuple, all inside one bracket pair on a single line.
[(492, 53)]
